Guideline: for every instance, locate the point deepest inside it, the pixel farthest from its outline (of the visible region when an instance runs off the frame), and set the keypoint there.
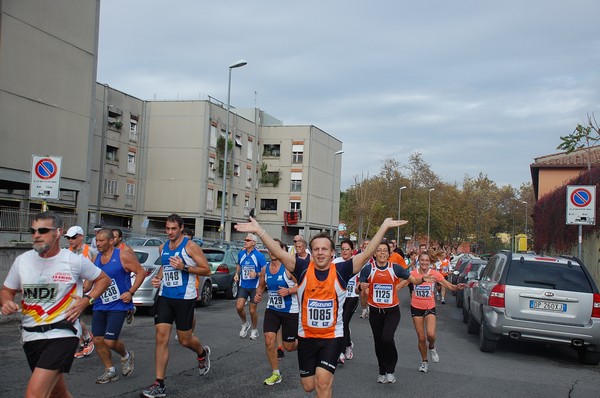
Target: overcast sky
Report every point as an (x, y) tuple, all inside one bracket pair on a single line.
[(475, 86)]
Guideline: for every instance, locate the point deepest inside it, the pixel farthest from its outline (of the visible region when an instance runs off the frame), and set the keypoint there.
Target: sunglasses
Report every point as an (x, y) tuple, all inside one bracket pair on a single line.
[(248, 240), (72, 237), (42, 230)]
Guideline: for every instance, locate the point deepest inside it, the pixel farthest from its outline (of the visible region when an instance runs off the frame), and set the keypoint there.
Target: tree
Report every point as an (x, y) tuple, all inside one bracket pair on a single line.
[(583, 137)]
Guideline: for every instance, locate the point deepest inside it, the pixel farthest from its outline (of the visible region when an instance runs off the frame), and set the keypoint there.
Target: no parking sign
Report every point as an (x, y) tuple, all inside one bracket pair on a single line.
[(581, 205), (45, 177)]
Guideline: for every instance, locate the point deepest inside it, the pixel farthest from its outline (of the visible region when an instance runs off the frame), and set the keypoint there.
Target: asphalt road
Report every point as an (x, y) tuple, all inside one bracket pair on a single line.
[(238, 366)]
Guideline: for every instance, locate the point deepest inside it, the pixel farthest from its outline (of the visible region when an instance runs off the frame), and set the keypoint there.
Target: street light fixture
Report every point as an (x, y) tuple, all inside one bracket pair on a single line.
[(237, 64), (429, 215), (399, 205), (332, 192)]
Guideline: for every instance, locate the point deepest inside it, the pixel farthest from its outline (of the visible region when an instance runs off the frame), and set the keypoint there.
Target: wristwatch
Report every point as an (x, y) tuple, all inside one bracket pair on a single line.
[(90, 298)]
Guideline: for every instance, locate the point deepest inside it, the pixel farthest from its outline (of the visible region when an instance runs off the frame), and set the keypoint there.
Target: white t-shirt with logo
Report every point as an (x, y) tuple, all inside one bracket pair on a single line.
[(47, 285)]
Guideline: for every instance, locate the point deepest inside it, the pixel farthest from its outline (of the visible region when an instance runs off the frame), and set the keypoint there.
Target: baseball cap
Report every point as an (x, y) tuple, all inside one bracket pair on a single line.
[(74, 230), (97, 227)]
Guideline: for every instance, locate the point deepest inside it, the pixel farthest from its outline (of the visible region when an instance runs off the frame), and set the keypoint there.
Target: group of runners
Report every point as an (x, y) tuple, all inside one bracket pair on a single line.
[(310, 302)]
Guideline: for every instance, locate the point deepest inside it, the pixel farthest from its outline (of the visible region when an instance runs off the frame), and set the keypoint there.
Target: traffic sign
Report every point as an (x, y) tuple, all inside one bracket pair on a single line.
[(45, 177), (581, 205)]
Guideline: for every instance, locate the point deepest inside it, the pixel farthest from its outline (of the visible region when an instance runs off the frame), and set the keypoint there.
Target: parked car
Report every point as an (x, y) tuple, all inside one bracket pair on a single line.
[(537, 298), (472, 265), (458, 268), (132, 242), (146, 295), (223, 264), (471, 282)]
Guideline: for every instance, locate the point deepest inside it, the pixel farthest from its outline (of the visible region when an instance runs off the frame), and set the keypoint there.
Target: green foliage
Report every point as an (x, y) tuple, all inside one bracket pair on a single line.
[(221, 155), (268, 177)]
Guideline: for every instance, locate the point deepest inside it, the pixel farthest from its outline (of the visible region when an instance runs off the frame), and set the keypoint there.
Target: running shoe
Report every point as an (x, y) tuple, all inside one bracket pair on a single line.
[(443, 300), (86, 348), (107, 377), (274, 379), (253, 334), (127, 365), (342, 359), (349, 354), (390, 378), (280, 353), (130, 315), (381, 379), (434, 355), (204, 363), (424, 367), (364, 313), (155, 391), (244, 331)]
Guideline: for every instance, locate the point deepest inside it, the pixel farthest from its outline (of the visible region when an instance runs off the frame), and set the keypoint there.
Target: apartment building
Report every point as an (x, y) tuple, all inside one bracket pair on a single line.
[(129, 163)]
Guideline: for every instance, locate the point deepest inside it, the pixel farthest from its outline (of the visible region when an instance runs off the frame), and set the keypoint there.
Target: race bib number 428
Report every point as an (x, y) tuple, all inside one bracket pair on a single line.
[(320, 313)]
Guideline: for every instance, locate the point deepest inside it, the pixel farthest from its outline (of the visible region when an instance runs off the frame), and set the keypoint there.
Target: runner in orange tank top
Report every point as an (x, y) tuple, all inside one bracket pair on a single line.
[(321, 294)]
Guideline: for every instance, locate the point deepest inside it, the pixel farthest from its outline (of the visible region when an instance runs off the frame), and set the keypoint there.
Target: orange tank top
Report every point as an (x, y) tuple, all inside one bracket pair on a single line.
[(382, 287), (321, 304)]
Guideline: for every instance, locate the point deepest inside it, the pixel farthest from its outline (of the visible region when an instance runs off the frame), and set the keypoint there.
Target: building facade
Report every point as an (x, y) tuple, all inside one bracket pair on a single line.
[(129, 163)]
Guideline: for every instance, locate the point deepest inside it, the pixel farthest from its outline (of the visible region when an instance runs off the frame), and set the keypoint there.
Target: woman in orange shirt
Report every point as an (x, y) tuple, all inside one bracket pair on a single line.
[(381, 279), (422, 307)]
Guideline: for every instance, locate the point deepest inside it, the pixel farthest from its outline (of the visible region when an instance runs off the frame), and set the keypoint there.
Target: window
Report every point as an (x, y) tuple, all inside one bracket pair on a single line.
[(111, 187), (130, 191), (131, 162), (297, 153), (112, 153), (210, 199), (248, 178), (268, 204), (272, 150), (236, 170), (238, 141), (219, 199), (211, 168), (114, 118), (133, 129), (234, 199), (213, 136), (296, 182), (294, 205), (249, 152)]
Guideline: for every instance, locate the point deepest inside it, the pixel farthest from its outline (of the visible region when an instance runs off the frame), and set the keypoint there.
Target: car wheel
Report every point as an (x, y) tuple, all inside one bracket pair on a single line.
[(485, 344), (459, 300), (472, 326), (205, 294), (232, 291), (588, 357)]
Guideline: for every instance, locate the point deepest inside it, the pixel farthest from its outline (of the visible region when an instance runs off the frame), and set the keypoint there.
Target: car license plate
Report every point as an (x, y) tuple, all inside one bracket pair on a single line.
[(547, 306)]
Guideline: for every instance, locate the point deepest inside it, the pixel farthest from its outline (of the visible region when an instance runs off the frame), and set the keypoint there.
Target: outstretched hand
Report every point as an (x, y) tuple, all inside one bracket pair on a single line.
[(251, 226)]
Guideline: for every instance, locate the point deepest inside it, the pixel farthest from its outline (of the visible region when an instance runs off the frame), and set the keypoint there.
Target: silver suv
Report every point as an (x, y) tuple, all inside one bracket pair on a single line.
[(540, 298)]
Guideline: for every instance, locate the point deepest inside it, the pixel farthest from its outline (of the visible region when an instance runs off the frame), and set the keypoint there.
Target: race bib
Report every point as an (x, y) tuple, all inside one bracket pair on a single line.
[(246, 270), (172, 278), (423, 290), (350, 286), (382, 293), (275, 300), (320, 313), (111, 294)]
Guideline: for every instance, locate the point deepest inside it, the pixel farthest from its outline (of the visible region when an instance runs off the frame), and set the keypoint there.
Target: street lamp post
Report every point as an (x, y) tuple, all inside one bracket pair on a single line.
[(525, 203), (237, 64), (399, 205), (429, 215), (332, 192)]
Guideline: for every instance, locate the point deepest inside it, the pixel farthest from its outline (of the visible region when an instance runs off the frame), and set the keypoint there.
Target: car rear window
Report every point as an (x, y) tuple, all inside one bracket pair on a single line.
[(548, 275), (214, 256), (142, 257)]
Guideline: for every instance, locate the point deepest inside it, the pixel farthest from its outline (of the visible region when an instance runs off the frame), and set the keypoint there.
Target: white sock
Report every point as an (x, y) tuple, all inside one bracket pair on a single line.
[(126, 357), (276, 372), (111, 369)]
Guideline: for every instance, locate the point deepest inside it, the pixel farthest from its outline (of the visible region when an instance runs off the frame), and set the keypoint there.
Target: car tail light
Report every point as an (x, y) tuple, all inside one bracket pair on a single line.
[(222, 269), (596, 306), (497, 296)]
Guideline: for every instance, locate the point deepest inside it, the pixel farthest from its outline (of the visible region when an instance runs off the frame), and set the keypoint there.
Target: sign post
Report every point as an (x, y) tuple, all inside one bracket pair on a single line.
[(45, 178), (581, 208)]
